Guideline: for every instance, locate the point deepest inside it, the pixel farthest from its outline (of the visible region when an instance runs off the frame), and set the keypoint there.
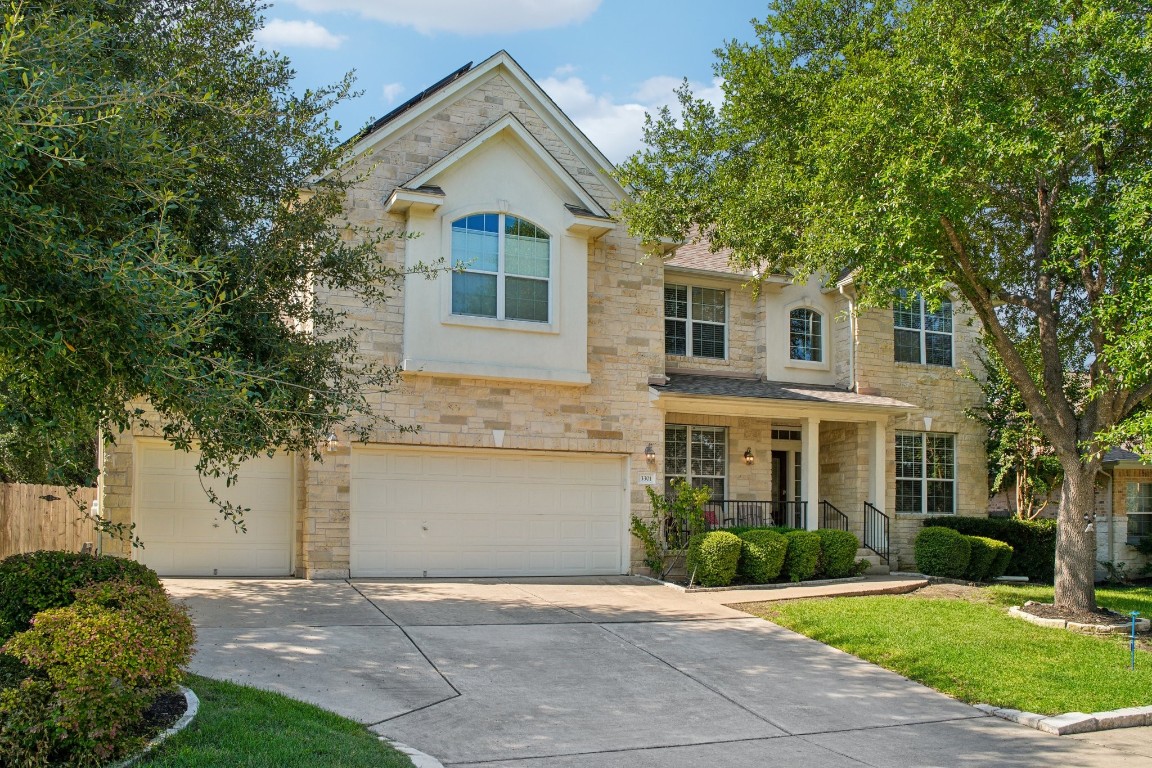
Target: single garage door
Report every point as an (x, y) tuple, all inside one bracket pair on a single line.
[(184, 534), (429, 512)]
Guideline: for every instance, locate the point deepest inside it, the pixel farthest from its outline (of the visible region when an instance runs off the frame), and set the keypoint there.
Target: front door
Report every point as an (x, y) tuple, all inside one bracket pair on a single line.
[(779, 475)]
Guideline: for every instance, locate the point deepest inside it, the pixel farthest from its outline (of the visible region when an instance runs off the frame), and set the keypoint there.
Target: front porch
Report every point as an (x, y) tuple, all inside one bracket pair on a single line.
[(797, 456)]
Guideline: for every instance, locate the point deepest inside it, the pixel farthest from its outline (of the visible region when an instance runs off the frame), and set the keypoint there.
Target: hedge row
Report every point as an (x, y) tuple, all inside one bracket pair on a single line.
[(762, 555), (77, 675), (1033, 542), (944, 551)]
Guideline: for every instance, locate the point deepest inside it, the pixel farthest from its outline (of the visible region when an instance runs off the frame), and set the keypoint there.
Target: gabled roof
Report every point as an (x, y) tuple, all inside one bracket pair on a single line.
[(705, 385), (460, 82), (698, 255)]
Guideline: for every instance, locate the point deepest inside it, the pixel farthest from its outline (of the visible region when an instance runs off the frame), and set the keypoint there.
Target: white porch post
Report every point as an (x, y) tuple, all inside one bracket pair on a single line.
[(878, 482), (810, 469)]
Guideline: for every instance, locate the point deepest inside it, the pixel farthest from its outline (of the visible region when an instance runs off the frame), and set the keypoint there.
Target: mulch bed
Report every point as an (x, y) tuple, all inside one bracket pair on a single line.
[(1099, 616), (162, 714)]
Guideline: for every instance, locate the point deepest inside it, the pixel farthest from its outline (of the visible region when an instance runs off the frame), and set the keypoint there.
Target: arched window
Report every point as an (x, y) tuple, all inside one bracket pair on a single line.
[(503, 265), (806, 335)]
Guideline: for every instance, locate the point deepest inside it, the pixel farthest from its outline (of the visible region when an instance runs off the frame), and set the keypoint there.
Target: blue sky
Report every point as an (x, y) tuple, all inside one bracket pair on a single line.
[(605, 62)]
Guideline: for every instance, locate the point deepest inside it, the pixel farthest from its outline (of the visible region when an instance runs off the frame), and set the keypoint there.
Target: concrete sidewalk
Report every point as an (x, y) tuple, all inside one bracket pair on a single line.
[(589, 673)]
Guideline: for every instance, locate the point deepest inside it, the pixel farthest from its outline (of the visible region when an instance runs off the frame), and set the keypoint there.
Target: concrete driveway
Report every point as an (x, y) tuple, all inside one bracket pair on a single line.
[(590, 673)]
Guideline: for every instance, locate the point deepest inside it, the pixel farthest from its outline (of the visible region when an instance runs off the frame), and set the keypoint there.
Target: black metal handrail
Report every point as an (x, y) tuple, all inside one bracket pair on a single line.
[(727, 513), (876, 531), (831, 517)]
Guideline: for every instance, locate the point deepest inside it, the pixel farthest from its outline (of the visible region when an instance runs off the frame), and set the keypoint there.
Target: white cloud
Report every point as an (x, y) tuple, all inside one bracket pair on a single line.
[(300, 34), (617, 127), (463, 17), (564, 69), (392, 91)]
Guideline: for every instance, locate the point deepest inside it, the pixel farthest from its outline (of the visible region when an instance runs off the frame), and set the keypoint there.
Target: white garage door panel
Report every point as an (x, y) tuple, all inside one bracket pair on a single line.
[(485, 514), (184, 534)]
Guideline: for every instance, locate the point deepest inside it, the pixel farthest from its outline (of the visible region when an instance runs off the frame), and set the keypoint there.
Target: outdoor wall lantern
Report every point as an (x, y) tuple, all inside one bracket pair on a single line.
[(749, 459), (332, 442), (650, 454)]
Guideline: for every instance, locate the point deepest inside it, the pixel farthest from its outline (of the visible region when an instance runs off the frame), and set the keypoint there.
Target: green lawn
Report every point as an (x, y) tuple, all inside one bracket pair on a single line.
[(244, 727), (974, 651), (1119, 599)]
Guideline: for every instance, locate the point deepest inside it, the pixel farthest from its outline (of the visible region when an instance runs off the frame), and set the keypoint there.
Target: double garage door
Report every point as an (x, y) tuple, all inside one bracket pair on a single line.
[(429, 512), (414, 512)]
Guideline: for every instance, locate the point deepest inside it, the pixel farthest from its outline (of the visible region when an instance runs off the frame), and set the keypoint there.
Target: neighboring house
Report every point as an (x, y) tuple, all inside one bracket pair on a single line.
[(564, 369)]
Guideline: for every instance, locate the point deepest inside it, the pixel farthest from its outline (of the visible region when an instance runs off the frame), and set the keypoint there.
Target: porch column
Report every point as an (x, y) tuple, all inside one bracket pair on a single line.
[(878, 481), (810, 469)]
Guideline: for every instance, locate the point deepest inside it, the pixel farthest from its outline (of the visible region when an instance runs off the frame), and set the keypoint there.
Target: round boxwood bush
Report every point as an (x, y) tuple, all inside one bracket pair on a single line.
[(93, 668), (713, 558), (980, 561), (803, 557), (837, 553), (1003, 555), (762, 555), (37, 581), (942, 552)]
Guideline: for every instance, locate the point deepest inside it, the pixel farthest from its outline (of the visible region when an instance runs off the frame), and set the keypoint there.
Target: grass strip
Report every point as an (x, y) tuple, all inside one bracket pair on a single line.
[(242, 727), (975, 652)]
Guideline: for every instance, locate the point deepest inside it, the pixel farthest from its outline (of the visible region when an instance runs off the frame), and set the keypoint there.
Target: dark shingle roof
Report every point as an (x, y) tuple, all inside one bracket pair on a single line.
[(698, 255), (724, 386), (395, 113), (1119, 454)]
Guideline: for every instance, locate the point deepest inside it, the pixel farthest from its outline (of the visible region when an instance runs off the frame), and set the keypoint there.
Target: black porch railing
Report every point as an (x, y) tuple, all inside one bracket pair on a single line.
[(831, 517), (876, 531), (727, 513)]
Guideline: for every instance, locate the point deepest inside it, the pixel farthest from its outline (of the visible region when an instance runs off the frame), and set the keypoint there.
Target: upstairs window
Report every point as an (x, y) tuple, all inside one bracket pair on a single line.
[(806, 335), (922, 335), (695, 321), (506, 264)]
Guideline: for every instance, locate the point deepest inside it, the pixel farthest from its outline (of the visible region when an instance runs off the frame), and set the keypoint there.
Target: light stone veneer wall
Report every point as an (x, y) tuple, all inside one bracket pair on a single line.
[(1122, 552), (943, 394), (625, 342)]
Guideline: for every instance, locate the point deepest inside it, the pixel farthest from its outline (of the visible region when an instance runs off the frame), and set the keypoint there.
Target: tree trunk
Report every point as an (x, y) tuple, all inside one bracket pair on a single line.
[(1075, 544)]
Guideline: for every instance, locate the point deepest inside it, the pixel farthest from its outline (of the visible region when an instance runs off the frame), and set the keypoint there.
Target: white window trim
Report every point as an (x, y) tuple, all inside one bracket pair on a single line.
[(924, 479), (825, 363), (447, 317), (922, 331), (688, 476), (689, 321), (1131, 498)]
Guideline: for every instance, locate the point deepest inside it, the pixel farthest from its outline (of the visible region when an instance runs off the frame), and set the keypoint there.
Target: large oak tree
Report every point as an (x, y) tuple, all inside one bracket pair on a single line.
[(155, 244), (998, 149)]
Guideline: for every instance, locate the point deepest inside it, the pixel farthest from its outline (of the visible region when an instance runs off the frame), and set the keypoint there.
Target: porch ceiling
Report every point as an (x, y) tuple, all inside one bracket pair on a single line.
[(772, 398)]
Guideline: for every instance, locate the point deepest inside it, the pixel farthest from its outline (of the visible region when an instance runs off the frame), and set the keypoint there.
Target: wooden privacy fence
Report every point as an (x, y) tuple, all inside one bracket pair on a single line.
[(36, 517)]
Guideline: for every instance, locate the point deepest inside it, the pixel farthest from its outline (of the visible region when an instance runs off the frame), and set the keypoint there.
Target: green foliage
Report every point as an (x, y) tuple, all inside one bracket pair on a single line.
[(713, 558), (803, 556), (161, 167), (762, 555), (983, 554), (996, 151), (1002, 556), (37, 581), (942, 552), (649, 531), (94, 667), (674, 520), (1033, 541), (837, 553)]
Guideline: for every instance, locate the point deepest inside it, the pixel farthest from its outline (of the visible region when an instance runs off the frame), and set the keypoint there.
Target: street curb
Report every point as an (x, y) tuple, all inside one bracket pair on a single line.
[(753, 587), (1074, 722), (419, 759)]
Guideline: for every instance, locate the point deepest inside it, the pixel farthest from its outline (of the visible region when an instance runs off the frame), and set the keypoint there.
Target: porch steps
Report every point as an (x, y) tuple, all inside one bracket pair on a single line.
[(876, 563)]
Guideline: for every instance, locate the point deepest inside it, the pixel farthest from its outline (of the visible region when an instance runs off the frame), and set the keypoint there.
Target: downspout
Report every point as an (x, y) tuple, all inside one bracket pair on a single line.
[(851, 339)]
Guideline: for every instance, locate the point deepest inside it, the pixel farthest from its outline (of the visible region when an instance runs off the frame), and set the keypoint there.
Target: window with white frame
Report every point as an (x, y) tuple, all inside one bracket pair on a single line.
[(502, 268), (806, 335), (926, 473), (698, 455), (922, 334), (1139, 498), (695, 321)]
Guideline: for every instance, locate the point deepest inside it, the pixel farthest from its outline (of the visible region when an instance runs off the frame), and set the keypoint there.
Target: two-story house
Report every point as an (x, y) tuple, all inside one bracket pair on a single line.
[(561, 368)]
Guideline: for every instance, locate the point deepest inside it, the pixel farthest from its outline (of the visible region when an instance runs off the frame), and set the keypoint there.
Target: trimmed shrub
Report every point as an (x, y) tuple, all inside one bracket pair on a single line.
[(837, 553), (803, 556), (942, 552), (36, 581), (762, 555), (713, 557), (1033, 541), (94, 668), (1003, 555), (980, 560)]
